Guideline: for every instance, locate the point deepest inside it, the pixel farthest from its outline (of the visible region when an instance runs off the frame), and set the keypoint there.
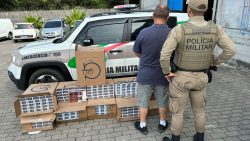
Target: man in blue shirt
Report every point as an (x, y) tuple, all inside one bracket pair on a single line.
[(150, 77)]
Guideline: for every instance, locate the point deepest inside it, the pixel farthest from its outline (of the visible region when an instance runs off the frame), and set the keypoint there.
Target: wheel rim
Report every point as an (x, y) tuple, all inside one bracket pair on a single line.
[(46, 79)]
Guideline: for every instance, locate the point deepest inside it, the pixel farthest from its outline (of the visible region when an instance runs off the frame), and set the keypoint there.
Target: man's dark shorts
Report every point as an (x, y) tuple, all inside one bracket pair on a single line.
[(145, 93)]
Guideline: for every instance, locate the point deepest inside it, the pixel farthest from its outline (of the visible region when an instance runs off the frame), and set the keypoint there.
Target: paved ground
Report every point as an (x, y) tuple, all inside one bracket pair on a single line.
[(228, 112)]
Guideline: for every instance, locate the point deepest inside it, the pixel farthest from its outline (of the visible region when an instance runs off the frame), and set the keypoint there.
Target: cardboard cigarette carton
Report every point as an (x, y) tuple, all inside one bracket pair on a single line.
[(71, 112), (127, 109), (91, 67), (37, 99), (126, 87), (65, 90), (38, 122), (101, 91), (101, 108)]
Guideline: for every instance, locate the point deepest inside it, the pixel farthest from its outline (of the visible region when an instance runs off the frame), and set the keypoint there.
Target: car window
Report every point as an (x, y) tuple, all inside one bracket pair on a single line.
[(138, 25), (23, 26), (78, 23), (104, 34), (53, 24)]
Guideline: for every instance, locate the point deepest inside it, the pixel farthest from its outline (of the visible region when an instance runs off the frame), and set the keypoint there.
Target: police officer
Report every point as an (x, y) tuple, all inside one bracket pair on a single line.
[(193, 44)]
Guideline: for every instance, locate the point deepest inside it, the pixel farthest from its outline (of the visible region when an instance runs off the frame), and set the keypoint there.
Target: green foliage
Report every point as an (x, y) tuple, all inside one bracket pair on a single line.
[(76, 14), (37, 21), (98, 3), (9, 5)]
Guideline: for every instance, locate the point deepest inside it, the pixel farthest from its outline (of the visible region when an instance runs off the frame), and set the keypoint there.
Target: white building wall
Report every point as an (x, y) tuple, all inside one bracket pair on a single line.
[(150, 4), (230, 16)]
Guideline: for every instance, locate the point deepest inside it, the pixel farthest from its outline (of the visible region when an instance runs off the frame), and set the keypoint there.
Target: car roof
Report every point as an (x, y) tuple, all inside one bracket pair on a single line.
[(129, 15)]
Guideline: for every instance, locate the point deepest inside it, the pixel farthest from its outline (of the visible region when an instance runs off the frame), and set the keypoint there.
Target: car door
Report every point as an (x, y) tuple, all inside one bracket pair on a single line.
[(136, 25), (134, 28), (110, 35)]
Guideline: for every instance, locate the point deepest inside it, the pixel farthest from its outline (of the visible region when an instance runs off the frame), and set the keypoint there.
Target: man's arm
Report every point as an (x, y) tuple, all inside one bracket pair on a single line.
[(137, 45), (167, 50), (227, 45)]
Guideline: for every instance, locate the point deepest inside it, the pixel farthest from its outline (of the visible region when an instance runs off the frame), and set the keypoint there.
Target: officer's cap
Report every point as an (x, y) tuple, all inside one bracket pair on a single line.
[(198, 5)]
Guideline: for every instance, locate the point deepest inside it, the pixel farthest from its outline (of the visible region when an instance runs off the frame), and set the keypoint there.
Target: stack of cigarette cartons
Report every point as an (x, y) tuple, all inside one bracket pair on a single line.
[(92, 96), (101, 101), (91, 73), (127, 108), (125, 92), (36, 107), (71, 102)]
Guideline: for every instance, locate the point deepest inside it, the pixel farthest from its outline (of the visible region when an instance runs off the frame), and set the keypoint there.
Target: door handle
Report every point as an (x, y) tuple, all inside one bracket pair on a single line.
[(115, 51)]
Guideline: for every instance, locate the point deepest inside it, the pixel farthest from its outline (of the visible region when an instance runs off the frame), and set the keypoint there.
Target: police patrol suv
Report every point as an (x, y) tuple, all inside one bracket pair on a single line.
[(54, 60)]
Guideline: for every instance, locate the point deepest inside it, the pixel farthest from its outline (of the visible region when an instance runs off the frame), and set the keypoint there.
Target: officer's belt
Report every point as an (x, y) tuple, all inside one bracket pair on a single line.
[(203, 70)]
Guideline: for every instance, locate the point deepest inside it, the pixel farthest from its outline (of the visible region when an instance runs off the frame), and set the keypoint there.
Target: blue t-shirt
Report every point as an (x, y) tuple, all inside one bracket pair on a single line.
[(149, 44)]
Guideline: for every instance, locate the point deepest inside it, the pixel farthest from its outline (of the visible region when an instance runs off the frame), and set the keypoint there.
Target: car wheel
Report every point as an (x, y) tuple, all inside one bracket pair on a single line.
[(10, 35), (15, 41), (46, 76)]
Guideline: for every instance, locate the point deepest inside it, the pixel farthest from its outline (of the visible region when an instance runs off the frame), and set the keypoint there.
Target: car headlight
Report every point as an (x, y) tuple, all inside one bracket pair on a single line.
[(57, 33)]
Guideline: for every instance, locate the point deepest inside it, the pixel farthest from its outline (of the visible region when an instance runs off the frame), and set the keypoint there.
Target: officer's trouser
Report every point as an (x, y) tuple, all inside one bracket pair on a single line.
[(184, 85)]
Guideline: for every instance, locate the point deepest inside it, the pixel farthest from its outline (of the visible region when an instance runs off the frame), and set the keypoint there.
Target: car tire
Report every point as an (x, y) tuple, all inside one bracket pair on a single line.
[(15, 41), (10, 36), (46, 76)]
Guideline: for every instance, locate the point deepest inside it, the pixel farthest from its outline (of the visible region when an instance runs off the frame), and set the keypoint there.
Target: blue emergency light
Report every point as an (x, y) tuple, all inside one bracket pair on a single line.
[(175, 5)]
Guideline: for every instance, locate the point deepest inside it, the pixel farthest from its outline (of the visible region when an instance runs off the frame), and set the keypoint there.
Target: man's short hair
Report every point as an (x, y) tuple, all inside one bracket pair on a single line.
[(161, 11), (197, 13)]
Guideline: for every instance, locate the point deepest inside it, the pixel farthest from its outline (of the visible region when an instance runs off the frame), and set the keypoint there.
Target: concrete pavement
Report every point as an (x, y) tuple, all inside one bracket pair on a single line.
[(227, 112)]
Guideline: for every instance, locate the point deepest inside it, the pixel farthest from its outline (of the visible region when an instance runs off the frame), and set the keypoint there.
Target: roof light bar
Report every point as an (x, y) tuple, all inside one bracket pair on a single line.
[(125, 7)]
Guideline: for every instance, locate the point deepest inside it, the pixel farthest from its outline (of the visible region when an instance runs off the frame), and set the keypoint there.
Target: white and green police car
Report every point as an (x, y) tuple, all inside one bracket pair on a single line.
[(54, 60)]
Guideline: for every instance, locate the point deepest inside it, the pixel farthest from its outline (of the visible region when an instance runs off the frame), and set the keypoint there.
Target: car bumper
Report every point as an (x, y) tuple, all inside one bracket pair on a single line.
[(14, 73), (19, 84), (24, 37), (50, 37)]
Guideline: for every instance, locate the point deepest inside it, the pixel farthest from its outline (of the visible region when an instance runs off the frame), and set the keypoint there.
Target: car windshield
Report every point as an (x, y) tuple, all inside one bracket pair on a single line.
[(23, 26), (53, 24), (65, 37), (78, 23)]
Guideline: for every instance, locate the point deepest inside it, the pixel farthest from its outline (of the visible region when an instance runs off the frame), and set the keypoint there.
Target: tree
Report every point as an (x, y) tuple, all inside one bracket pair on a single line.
[(7, 5), (76, 14), (37, 21)]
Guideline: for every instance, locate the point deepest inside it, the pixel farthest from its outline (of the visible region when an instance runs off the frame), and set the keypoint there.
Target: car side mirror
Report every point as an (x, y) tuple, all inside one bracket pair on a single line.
[(87, 41)]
